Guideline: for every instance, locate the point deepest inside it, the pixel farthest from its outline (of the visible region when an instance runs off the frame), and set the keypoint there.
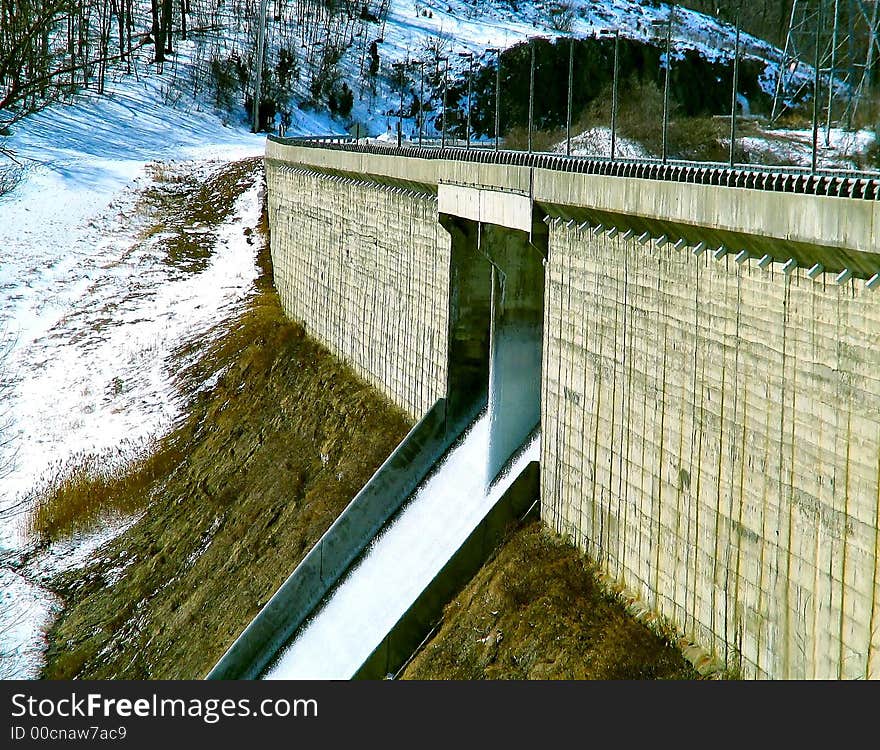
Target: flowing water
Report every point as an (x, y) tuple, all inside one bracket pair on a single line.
[(404, 558)]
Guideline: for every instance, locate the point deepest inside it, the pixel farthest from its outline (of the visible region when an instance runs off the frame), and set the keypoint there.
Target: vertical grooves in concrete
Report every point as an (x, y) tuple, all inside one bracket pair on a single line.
[(755, 396), (349, 258)]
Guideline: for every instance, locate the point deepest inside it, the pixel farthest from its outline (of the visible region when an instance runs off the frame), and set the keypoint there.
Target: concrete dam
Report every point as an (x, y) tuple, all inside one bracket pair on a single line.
[(696, 348)]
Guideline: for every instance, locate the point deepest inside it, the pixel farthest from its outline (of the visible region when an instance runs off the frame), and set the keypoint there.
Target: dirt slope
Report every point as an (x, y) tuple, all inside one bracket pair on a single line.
[(536, 611)]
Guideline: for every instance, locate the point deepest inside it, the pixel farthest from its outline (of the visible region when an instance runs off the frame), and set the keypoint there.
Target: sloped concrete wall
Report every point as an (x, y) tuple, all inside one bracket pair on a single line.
[(365, 268), (711, 436)]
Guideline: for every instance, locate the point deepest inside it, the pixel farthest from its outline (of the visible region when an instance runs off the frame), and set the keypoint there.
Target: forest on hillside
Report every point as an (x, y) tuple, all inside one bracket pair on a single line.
[(50, 49), (767, 19), (328, 55)]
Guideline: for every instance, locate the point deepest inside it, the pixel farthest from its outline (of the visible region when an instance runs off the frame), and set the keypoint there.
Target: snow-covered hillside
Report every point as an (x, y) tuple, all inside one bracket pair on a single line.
[(94, 310)]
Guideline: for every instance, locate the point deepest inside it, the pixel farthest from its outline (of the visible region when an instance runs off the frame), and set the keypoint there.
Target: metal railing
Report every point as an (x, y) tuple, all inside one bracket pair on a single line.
[(799, 180)]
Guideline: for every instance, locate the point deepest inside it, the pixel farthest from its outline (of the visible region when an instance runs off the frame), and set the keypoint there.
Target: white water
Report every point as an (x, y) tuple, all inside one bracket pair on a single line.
[(400, 562)]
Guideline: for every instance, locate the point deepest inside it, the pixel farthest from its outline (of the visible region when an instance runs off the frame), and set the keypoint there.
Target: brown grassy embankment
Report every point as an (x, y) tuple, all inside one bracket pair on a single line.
[(537, 611), (260, 466)]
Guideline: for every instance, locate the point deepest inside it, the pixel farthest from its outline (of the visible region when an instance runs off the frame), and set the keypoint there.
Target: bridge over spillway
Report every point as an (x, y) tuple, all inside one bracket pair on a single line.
[(700, 345)]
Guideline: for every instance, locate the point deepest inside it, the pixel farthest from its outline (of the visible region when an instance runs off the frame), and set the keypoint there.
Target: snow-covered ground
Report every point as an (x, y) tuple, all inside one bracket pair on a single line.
[(597, 142), (94, 309), (837, 148)]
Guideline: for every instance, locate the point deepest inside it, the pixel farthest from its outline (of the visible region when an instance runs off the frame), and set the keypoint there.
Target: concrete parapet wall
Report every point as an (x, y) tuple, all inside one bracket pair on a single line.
[(839, 232), (810, 219), (711, 436), (366, 269)]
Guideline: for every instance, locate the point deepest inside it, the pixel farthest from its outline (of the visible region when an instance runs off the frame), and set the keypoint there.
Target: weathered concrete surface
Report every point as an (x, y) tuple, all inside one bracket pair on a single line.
[(711, 435), (505, 209), (366, 269), (470, 303), (744, 218), (711, 429)]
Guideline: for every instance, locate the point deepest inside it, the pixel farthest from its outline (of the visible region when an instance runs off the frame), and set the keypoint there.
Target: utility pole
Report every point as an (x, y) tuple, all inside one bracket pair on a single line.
[(421, 65), (570, 84), (831, 72), (614, 93), (814, 162), (258, 77), (531, 92), (445, 88), (733, 96), (469, 56), (398, 66), (665, 146), (497, 51)]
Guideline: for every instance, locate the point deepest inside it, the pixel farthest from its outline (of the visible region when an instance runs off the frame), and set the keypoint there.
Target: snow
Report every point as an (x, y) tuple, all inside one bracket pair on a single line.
[(95, 310), (597, 142), (837, 149)]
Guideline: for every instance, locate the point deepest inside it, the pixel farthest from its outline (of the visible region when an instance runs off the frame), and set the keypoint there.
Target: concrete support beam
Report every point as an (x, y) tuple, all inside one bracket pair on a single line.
[(504, 208)]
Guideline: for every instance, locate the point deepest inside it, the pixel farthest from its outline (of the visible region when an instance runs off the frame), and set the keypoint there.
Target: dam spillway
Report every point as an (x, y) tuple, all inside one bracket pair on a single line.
[(708, 383), (404, 558)]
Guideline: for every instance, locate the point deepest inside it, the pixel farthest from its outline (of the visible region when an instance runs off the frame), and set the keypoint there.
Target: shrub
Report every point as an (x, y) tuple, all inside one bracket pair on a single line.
[(374, 58), (228, 75)]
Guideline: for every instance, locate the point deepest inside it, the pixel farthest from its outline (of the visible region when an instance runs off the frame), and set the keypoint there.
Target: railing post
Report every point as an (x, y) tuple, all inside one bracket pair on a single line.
[(531, 92), (497, 51), (421, 97), (570, 84), (614, 93), (443, 113), (665, 145), (814, 161)]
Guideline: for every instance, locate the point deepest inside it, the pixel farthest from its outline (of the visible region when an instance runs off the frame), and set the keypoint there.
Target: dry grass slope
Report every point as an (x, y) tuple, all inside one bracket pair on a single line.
[(263, 462), (537, 611)]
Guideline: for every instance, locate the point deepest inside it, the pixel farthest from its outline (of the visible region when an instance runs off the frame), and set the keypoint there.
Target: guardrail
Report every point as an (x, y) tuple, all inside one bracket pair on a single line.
[(834, 183), (331, 138)]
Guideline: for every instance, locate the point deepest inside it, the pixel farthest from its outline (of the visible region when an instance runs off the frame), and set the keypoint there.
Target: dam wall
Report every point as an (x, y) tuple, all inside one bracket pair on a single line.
[(709, 376), (711, 437), (365, 268)]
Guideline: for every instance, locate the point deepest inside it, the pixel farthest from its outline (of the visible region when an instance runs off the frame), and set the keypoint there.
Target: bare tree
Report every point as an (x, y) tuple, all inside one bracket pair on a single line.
[(10, 176), (49, 48)]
